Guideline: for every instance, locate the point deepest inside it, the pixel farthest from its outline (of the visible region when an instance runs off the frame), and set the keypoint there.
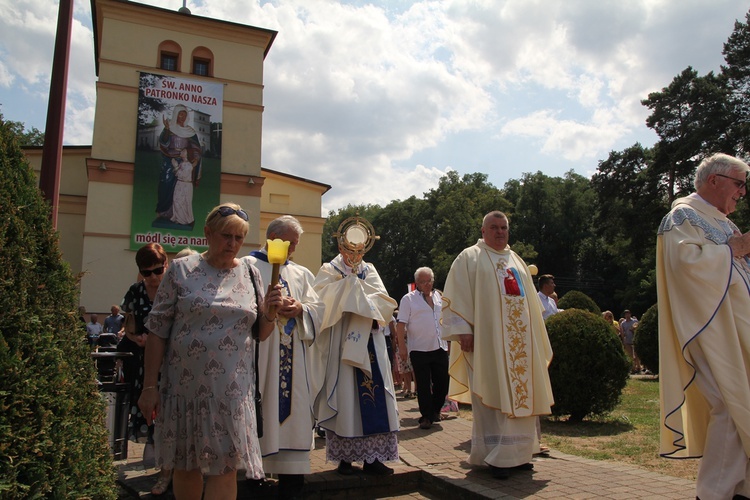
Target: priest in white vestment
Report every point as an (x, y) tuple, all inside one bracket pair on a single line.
[(501, 351), (703, 287), (284, 365), (356, 404)]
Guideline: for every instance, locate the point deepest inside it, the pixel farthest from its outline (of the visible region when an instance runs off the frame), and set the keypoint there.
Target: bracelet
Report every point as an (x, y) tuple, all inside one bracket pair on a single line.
[(149, 387), (270, 320)]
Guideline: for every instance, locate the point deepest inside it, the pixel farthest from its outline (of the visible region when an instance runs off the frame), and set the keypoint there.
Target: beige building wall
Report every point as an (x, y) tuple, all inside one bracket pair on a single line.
[(96, 189)]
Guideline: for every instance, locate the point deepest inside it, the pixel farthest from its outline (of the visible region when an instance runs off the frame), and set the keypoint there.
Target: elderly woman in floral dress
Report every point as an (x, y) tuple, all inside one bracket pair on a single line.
[(200, 325)]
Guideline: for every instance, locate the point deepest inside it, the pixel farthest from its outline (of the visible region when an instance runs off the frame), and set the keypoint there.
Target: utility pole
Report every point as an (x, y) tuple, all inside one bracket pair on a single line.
[(49, 177)]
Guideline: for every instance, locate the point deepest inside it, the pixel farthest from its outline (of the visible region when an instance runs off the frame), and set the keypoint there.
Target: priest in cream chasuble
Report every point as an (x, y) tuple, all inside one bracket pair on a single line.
[(500, 350), (703, 288)]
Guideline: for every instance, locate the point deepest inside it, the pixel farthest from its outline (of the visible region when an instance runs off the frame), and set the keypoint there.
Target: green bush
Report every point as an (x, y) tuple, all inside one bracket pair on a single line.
[(578, 300), (646, 339), (53, 439), (589, 368)]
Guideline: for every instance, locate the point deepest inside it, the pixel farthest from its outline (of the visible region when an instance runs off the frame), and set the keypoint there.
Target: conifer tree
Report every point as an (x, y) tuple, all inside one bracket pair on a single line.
[(53, 439)]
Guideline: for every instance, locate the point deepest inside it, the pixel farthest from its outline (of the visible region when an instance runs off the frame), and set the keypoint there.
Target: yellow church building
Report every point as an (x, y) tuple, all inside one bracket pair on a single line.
[(179, 103)]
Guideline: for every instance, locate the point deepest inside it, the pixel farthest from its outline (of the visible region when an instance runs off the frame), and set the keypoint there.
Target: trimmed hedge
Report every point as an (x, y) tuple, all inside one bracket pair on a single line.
[(578, 300), (589, 368), (53, 439), (646, 339)]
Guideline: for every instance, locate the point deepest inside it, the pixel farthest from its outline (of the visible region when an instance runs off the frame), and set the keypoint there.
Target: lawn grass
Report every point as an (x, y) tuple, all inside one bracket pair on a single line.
[(629, 434)]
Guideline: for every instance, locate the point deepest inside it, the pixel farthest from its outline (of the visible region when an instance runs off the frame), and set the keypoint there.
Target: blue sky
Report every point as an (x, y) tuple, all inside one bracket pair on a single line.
[(381, 98)]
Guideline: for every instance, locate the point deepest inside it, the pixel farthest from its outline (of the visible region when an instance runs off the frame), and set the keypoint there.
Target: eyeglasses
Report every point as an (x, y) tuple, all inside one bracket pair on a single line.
[(148, 272), (227, 211), (737, 183)]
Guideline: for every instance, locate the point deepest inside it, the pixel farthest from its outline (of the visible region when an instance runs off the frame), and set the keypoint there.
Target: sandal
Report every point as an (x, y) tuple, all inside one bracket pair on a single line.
[(162, 485)]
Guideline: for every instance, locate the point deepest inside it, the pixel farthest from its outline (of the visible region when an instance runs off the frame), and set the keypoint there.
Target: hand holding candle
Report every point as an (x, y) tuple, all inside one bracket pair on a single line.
[(277, 253)]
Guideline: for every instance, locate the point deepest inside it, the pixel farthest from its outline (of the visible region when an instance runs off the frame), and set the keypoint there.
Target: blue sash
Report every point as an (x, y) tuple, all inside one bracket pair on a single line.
[(371, 392)]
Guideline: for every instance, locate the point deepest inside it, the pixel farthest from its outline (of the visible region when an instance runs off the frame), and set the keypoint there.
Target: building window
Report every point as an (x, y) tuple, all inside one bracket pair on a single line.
[(200, 67), (203, 60), (168, 61), (168, 56)]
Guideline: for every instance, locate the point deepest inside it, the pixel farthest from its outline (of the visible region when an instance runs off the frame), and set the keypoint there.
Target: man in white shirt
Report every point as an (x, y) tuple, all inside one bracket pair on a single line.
[(546, 289), (419, 314)]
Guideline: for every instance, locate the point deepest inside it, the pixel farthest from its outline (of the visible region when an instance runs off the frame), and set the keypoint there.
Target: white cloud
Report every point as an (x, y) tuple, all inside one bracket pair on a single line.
[(356, 92)]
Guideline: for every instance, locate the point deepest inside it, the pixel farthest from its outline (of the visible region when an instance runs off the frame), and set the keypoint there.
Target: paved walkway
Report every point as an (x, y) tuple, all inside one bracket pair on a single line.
[(433, 466)]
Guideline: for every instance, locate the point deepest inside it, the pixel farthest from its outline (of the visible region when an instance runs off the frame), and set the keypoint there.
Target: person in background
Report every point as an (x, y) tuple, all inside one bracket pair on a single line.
[(419, 312), (113, 323), (93, 330), (627, 330), (610, 318), (545, 294), (702, 276), (284, 365), (356, 404), (390, 334), (500, 363), (152, 262), (200, 336)]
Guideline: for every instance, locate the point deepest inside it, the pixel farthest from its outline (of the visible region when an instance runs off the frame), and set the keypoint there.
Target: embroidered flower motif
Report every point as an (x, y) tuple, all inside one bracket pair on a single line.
[(516, 332), (353, 336)]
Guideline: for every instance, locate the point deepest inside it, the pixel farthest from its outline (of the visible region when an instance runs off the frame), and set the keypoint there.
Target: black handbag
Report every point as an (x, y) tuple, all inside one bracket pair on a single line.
[(255, 330)]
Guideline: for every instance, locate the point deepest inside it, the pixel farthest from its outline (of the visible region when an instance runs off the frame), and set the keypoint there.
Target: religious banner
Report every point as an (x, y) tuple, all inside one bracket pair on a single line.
[(177, 174)]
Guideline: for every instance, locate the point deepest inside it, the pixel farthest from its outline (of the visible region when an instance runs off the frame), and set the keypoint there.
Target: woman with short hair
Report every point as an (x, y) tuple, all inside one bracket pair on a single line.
[(201, 326)]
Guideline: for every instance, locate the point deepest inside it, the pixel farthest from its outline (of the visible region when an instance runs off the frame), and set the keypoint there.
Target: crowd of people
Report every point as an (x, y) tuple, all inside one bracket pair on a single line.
[(328, 351)]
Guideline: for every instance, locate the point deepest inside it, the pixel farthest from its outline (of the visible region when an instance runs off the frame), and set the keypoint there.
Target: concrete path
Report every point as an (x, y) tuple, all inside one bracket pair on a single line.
[(433, 465)]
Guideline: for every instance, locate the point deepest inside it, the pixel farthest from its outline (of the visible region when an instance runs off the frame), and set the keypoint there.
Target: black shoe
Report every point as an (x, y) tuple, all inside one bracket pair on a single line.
[(502, 473), (345, 468), (424, 423), (436, 418), (258, 486), (377, 468), (528, 466), (291, 486)]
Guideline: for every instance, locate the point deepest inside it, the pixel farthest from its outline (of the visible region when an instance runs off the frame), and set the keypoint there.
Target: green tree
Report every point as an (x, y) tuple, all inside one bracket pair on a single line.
[(53, 440), (33, 137), (691, 117), (737, 77), (552, 216), (458, 205), (405, 229), (630, 204)]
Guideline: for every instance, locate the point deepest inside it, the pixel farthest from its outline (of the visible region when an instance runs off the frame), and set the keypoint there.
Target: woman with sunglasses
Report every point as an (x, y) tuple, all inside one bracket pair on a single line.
[(201, 328), (151, 260)]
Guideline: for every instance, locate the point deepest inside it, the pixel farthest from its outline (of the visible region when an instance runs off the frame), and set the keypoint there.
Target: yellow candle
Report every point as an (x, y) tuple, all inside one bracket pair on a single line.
[(277, 251)]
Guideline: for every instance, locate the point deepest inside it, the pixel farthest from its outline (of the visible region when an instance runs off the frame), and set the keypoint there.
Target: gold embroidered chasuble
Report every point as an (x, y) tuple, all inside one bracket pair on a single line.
[(491, 295), (704, 297)]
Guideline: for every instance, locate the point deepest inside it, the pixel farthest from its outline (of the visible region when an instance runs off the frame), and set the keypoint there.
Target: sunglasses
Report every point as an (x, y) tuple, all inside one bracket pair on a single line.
[(148, 272), (227, 211)]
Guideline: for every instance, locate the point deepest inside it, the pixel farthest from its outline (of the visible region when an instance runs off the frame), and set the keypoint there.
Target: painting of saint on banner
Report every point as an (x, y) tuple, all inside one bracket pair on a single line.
[(178, 160)]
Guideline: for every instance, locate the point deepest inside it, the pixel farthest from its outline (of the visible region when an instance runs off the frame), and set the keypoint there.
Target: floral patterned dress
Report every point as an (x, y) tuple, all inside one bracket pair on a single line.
[(207, 418)]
